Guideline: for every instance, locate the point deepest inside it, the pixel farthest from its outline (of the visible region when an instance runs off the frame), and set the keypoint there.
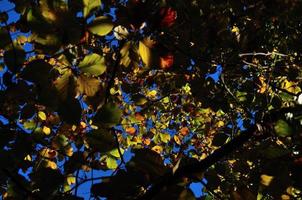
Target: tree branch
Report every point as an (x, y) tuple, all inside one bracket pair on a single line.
[(170, 178)]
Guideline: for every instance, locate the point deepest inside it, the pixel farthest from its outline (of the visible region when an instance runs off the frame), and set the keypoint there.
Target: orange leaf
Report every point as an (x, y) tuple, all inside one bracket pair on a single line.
[(139, 117), (184, 131), (146, 141), (131, 130), (166, 61)]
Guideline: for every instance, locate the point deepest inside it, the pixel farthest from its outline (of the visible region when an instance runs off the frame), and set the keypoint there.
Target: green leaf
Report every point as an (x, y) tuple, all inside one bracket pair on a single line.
[(115, 153), (111, 163), (90, 5), (93, 64), (60, 141), (165, 137), (30, 125), (101, 140), (282, 128), (101, 26), (110, 114)]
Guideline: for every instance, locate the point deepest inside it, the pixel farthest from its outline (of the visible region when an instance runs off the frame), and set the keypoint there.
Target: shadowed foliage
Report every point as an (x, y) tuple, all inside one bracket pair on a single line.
[(157, 93)]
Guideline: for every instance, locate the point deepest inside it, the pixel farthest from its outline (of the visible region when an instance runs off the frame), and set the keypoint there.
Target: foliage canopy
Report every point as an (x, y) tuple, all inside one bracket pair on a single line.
[(160, 93)]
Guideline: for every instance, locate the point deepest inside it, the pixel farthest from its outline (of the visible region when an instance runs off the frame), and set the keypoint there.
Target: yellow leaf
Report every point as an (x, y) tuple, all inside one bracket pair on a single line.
[(152, 94), (235, 29), (177, 140), (145, 53), (42, 115), (291, 86), (71, 180), (285, 197), (46, 130), (262, 86), (51, 165), (203, 156), (157, 149), (48, 153), (266, 179), (28, 158), (68, 150), (220, 124)]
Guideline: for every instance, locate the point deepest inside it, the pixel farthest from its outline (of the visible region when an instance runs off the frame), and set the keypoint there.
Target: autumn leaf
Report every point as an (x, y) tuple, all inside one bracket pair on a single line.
[(130, 130), (71, 180), (87, 85), (266, 179), (42, 115), (46, 130), (145, 53), (177, 140), (157, 149), (166, 61), (184, 131)]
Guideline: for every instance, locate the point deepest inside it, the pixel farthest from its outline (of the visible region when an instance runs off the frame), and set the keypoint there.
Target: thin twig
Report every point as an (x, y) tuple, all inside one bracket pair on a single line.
[(262, 54)]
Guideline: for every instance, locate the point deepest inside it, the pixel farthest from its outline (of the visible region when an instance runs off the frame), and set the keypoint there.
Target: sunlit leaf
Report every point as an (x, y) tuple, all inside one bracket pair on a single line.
[(157, 149), (30, 125), (71, 180), (130, 130), (48, 153), (115, 153), (93, 64), (42, 115), (145, 53), (266, 179), (177, 140), (90, 5), (51, 164), (165, 137), (101, 26), (111, 163), (152, 94), (46, 130), (184, 131)]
